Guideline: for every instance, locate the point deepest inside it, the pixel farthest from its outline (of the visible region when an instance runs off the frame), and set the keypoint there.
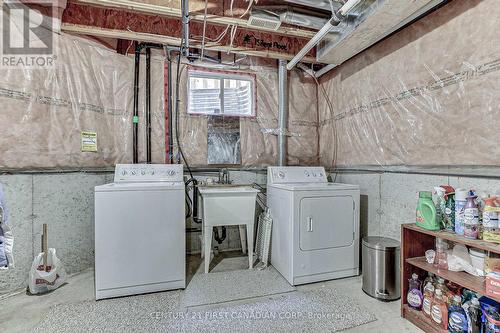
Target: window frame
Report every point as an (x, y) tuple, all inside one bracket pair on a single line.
[(221, 76)]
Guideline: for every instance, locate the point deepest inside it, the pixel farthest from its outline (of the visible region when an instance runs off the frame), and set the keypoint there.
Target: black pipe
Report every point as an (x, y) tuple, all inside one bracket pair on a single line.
[(216, 234), (196, 217), (148, 105), (135, 119), (169, 110)]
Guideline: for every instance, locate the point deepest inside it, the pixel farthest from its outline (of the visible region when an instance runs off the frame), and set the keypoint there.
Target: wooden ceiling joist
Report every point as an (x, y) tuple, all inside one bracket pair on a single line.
[(135, 6), (167, 40)]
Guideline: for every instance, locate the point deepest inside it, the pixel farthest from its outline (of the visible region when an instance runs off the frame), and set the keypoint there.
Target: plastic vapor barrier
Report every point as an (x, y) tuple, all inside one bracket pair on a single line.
[(258, 140), (78, 112), (426, 96)]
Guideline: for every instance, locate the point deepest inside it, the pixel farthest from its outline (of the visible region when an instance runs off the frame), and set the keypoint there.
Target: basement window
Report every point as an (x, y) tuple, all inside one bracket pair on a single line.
[(221, 93)]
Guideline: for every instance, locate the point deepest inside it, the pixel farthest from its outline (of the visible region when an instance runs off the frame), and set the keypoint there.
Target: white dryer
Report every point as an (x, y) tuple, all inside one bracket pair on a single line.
[(315, 234), (140, 231)]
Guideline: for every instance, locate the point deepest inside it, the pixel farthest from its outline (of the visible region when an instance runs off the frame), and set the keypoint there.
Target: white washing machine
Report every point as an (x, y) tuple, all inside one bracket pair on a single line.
[(140, 231), (315, 235)]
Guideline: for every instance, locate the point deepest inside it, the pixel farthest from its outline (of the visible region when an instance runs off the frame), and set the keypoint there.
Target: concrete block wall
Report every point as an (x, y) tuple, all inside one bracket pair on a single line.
[(65, 201), (389, 199)]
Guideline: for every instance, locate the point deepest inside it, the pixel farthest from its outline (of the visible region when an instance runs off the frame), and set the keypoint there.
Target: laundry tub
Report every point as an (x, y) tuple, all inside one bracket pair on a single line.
[(381, 268)]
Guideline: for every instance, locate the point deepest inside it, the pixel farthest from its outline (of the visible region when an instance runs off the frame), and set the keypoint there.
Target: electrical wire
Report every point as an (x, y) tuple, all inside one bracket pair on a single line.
[(332, 115), (177, 100), (250, 4), (232, 35), (204, 29)]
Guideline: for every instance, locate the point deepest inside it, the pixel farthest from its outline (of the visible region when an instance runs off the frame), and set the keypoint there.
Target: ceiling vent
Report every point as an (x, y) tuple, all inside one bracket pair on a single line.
[(263, 19)]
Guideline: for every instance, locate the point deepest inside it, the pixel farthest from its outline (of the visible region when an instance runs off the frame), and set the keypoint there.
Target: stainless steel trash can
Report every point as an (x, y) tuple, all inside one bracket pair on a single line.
[(381, 267)]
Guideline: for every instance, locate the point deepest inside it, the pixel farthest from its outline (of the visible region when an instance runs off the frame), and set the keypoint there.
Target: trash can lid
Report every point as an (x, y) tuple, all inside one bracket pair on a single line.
[(381, 243)]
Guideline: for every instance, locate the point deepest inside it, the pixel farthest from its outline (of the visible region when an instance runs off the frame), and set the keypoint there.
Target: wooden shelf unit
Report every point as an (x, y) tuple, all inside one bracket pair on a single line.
[(420, 320), (414, 242)]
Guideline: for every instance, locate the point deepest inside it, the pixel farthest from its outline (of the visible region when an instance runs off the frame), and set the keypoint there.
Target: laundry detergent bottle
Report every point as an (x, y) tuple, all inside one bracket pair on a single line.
[(490, 215), (471, 217), (426, 212), (457, 318)]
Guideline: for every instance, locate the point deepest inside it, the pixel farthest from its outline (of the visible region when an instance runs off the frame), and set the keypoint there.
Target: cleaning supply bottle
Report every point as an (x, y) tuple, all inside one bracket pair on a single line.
[(439, 310), (428, 298), (474, 314), (430, 278), (449, 208), (490, 215), (441, 285), (414, 296), (457, 318), (471, 217), (481, 201), (426, 212), (439, 202), (460, 202)]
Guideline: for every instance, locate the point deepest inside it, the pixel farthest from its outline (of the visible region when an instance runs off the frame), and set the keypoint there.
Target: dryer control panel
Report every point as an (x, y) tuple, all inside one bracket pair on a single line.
[(131, 173), (296, 174)]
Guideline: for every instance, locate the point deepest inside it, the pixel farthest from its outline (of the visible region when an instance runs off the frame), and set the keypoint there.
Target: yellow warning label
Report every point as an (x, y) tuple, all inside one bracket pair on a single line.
[(89, 141)]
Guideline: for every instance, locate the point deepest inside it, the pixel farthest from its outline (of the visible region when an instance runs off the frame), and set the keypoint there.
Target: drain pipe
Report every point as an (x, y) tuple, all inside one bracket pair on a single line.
[(148, 105), (135, 119), (185, 26), (169, 106), (282, 111)]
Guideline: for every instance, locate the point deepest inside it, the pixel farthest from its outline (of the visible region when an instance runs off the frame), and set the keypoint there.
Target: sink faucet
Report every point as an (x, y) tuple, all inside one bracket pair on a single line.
[(224, 176)]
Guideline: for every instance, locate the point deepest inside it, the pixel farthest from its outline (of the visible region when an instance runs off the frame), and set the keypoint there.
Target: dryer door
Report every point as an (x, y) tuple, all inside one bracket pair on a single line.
[(326, 222)]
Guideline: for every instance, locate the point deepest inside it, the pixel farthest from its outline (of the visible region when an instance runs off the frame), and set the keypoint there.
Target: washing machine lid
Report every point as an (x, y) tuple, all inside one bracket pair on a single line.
[(146, 186), (315, 186)]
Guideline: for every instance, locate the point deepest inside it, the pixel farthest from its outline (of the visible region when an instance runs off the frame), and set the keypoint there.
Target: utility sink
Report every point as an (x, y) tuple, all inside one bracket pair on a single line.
[(228, 190), (228, 205)]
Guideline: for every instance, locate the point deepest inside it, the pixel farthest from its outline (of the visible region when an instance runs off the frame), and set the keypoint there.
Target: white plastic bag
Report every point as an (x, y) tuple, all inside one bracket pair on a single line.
[(460, 260), (42, 281)]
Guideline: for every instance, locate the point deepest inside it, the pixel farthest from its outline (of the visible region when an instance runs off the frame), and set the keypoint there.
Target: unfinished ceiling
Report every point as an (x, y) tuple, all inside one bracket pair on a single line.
[(265, 28), (371, 21)]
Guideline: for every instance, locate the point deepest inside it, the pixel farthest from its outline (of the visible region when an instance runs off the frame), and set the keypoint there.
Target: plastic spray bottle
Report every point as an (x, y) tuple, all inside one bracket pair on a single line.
[(440, 203), (449, 208)]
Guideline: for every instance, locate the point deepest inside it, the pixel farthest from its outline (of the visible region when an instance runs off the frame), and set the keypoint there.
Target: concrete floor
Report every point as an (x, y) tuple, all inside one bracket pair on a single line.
[(22, 313)]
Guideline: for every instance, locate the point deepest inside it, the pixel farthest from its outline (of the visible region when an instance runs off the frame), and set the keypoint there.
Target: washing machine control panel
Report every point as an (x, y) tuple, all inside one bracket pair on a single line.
[(285, 175), (128, 173)]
